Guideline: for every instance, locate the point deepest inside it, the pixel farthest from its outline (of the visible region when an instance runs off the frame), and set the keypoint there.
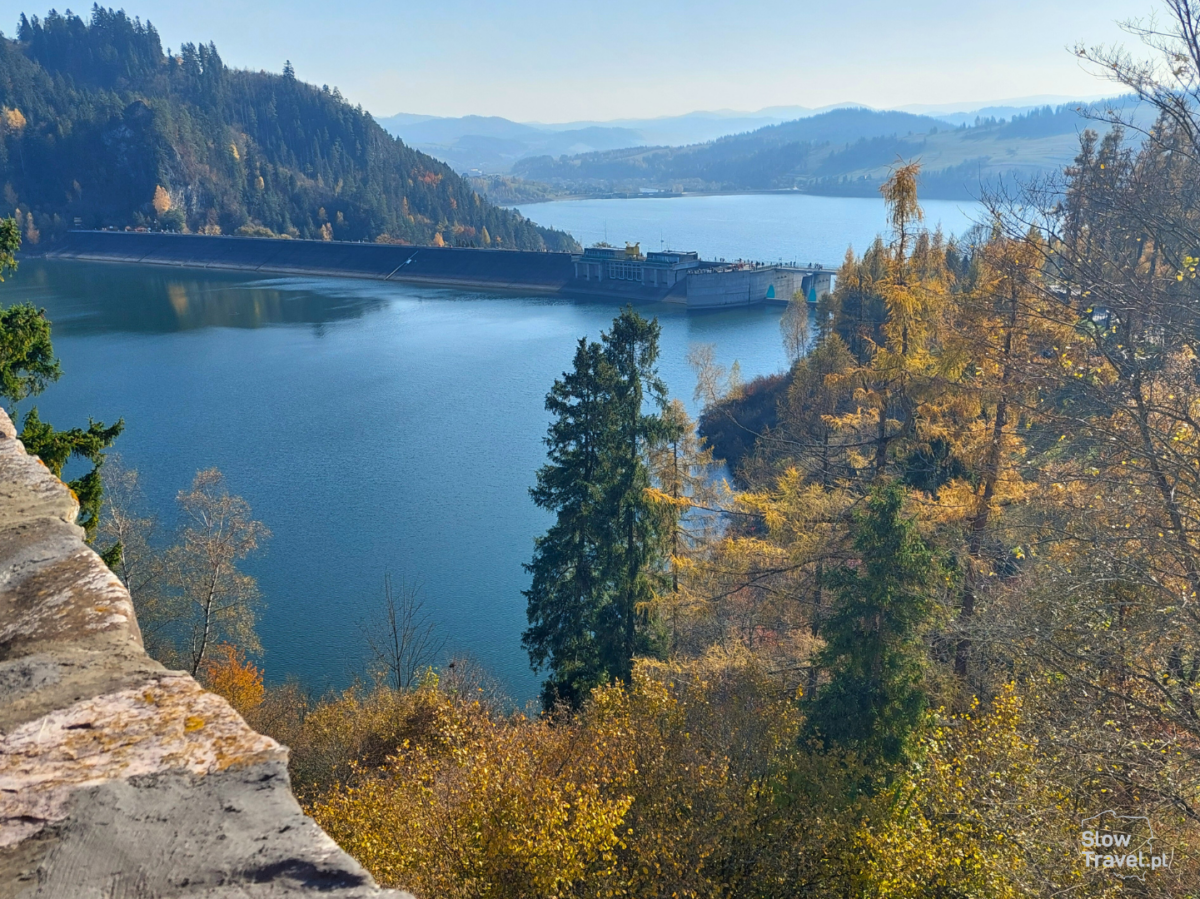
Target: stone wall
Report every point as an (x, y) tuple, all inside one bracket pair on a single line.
[(119, 778)]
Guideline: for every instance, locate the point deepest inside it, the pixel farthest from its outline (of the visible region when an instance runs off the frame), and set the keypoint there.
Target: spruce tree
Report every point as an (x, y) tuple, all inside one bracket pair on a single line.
[(644, 533), (571, 563), (596, 569), (875, 699)]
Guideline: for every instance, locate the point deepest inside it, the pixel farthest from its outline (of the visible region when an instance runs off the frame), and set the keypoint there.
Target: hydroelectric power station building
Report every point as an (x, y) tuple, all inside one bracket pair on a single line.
[(674, 276)]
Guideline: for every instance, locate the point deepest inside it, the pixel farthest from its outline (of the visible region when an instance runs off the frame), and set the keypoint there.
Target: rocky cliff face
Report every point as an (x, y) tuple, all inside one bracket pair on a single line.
[(117, 776)]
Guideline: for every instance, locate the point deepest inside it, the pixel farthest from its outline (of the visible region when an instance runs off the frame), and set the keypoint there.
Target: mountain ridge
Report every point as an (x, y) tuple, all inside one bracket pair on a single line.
[(100, 128), (845, 152), (470, 143)]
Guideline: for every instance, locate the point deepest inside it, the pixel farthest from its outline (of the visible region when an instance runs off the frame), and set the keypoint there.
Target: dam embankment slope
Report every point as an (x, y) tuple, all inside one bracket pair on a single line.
[(539, 274)]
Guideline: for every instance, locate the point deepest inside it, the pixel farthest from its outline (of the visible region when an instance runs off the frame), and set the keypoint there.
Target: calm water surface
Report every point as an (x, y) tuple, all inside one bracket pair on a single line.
[(379, 427), (768, 227), (373, 427)]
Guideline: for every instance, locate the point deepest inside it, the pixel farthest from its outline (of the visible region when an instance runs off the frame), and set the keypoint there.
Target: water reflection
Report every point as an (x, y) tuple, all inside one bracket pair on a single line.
[(91, 298), (398, 428)]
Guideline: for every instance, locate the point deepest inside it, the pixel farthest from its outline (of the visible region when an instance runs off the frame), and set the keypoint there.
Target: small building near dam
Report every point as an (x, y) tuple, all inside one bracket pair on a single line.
[(674, 276)]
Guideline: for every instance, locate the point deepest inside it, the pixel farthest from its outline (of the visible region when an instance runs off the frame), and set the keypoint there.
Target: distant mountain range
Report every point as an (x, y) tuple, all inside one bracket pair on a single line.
[(492, 145), (844, 152), (489, 144), (966, 113)]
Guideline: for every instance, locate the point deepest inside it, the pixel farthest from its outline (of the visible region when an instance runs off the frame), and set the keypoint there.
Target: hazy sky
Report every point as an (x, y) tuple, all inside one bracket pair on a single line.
[(530, 60)]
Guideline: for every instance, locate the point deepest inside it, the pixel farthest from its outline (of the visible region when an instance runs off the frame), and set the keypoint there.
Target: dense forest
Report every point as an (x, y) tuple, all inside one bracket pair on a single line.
[(939, 639), (939, 635), (101, 128), (841, 152)]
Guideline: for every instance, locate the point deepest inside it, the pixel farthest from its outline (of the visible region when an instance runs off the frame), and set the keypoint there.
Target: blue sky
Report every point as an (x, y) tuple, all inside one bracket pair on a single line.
[(531, 60)]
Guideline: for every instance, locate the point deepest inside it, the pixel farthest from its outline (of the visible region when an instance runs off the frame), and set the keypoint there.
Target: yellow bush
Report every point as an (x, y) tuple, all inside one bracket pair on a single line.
[(484, 806), (978, 817), (228, 673), (684, 784)]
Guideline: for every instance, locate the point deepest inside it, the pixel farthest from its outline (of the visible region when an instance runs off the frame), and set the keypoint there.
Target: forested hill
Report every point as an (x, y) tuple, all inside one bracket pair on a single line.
[(101, 127), (844, 151)]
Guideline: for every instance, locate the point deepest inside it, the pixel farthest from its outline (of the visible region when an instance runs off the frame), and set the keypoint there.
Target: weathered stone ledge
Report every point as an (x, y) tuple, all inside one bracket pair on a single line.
[(117, 776)]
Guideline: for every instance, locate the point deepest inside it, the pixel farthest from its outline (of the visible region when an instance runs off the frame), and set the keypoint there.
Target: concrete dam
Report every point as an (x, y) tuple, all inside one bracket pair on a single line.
[(622, 274)]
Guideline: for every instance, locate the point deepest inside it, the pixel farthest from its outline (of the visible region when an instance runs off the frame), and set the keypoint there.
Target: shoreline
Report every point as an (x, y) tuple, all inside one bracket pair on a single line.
[(725, 193)]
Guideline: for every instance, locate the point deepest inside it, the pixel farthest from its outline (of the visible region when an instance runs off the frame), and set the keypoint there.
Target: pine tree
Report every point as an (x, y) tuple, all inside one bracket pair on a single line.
[(27, 361), (875, 698), (56, 448)]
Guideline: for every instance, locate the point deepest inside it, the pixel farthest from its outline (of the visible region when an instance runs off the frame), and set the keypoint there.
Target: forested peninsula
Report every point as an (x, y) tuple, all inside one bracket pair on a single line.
[(99, 127)]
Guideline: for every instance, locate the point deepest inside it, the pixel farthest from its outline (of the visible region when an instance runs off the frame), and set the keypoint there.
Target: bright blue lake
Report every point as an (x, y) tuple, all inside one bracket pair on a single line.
[(792, 227), (373, 427)]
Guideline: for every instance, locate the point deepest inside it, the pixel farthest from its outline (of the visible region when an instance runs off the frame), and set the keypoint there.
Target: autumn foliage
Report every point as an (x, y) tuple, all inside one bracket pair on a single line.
[(228, 673), (946, 614), (946, 617)]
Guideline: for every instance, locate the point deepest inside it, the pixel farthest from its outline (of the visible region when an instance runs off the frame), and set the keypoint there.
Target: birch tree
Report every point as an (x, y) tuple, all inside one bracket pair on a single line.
[(214, 601)]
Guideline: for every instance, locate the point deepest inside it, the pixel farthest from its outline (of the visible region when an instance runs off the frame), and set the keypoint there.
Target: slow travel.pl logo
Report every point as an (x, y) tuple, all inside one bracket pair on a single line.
[(1121, 845)]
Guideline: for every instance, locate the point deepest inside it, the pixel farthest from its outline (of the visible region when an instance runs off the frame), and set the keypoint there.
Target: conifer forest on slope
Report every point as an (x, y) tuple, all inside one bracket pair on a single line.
[(100, 127)]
